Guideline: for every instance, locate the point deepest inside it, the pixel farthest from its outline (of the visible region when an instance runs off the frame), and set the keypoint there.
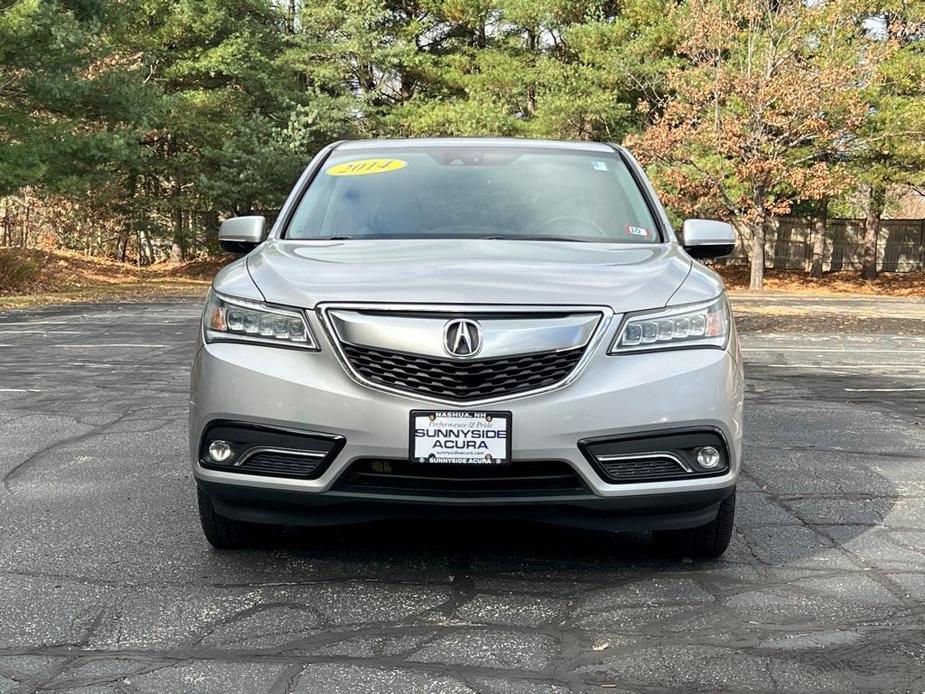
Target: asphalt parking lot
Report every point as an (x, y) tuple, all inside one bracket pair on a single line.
[(108, 585)]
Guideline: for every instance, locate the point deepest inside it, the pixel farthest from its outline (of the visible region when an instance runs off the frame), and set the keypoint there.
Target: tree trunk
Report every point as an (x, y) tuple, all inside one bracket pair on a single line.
[(531, 87), (875, 203), (406, 88), (820, 224), (146, 247), (758, 227), (292, 16), (7, 237), (142, 249), (25, 227), (756, 280), (177, 245)]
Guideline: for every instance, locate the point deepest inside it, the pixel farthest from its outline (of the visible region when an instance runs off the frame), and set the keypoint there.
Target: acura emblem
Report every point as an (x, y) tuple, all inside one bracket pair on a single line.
[(462, 338)]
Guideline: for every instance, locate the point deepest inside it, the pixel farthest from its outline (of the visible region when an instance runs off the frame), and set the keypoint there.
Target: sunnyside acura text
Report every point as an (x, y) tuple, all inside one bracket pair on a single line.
[(491, 328)]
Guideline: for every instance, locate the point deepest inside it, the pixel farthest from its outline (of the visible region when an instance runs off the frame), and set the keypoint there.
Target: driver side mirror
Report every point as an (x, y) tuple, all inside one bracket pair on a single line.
[(706, 238), (242, 234)]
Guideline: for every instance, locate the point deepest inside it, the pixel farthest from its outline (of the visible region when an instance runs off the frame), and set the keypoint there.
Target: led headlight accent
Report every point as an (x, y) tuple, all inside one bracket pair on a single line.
[(697, 325), (226, 319)]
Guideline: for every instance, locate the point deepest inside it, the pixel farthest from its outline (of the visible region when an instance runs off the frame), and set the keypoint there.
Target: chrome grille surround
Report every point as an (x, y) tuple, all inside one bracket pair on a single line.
[(603, 317)]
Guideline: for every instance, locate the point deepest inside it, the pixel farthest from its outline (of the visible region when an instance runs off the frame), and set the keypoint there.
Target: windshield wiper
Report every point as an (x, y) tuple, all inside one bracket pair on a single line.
[(531, 237)]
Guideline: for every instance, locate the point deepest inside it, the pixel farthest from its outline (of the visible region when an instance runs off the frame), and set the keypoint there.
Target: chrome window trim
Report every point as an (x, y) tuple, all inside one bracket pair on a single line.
[(607, 316)]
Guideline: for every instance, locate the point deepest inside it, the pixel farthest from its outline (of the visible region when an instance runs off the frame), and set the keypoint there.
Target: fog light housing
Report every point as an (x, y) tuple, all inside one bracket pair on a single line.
[(708, 457), (220, 451)]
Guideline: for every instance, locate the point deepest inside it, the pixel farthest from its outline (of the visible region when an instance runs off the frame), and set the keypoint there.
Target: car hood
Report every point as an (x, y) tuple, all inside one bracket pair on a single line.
[(468, 271)]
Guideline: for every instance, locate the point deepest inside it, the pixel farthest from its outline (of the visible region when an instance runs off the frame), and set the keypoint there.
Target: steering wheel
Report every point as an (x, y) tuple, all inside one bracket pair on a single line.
[(587, 223)]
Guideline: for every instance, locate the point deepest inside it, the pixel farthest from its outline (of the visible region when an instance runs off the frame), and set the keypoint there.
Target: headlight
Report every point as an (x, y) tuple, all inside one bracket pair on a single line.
[(235, 320), (694, 325)]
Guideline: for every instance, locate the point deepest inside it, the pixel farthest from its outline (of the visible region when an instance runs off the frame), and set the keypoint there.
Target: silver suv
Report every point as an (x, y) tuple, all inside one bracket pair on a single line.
[(493, 328)]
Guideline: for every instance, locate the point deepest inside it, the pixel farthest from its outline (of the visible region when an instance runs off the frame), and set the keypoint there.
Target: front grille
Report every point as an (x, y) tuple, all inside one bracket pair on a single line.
[(642, 469), (289, 465), (462, 380), (520, 478)]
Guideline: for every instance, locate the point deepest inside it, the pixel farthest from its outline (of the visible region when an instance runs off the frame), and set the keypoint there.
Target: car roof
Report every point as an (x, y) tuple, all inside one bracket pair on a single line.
[(473, 142)]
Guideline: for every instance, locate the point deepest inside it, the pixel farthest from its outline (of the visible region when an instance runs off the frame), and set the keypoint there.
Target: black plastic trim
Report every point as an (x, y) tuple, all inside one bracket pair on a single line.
[(238, 247), (274, 436), (713, 250), (639, 512), (585, 446), (518, 479)]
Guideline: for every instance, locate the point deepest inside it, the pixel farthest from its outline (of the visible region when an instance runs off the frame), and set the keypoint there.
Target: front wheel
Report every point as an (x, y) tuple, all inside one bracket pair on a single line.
[(228, 533), (706, 541)]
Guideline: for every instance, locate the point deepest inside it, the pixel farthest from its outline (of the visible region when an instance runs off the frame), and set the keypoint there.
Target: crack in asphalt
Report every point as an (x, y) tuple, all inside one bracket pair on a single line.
[(38, 456)]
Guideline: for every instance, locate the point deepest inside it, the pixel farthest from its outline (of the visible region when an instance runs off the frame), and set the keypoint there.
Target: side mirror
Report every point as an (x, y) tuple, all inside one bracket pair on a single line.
[(706, 238), (242, 234)]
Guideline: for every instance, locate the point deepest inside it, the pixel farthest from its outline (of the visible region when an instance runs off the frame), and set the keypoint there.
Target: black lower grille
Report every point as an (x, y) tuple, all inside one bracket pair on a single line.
[(462, 380), (520, 478), (272, 451), (642, 469), (280, 464), (655, 456)]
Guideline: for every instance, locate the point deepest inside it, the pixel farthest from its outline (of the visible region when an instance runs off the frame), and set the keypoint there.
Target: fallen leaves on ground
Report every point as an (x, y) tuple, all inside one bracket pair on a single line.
[(31, 277), (847, 282)]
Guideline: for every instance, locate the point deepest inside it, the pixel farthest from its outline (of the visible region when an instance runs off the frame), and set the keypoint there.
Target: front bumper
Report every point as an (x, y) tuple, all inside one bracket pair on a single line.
[(613, 396), (643, 512)]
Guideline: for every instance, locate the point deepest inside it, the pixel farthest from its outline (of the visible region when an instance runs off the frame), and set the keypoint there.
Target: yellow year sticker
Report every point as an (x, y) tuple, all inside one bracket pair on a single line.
[(364, 167)]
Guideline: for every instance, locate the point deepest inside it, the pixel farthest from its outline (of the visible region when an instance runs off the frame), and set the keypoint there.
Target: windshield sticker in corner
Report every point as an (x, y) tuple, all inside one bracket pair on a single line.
[(363, 167), (640, 232)]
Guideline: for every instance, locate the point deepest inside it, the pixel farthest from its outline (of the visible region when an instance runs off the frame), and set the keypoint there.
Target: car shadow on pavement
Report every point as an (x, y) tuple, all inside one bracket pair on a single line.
[(514, 540)]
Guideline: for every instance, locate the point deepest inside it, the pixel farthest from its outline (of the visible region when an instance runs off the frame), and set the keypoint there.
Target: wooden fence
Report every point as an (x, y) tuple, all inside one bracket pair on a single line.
[(789, 245)]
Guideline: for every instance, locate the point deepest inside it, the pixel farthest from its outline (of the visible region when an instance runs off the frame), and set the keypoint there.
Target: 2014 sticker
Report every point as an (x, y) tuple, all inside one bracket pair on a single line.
[(364, 167), (637, 231)]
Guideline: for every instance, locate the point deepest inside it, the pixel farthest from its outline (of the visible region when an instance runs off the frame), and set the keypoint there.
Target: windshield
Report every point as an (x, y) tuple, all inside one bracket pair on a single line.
[(474, 192)]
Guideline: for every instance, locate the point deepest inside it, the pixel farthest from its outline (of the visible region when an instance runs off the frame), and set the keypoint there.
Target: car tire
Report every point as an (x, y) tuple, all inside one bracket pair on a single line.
[(703, 542), (228, 533)]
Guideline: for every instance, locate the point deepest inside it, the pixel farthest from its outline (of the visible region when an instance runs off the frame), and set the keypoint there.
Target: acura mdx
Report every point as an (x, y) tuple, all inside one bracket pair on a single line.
[(469, 328)]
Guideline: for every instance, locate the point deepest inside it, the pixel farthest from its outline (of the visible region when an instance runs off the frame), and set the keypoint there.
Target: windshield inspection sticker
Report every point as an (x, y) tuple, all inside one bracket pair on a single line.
[(364, 167), (600, 165), (637, 231)]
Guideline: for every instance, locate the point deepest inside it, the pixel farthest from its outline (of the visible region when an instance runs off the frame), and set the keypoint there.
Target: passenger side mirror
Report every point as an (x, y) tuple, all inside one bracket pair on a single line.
[(242, 234), (706, 238)]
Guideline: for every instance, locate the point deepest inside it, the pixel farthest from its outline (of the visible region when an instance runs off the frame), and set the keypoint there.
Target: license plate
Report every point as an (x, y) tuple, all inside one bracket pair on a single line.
[(460, 438)]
